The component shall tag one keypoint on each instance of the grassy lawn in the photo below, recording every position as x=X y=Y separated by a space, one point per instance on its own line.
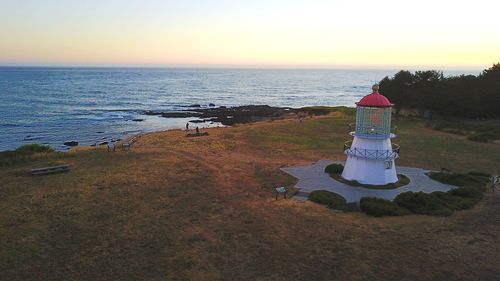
x=424 y=147
x=176 y=208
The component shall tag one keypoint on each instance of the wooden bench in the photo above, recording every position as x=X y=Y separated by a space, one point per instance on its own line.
x=49 y=170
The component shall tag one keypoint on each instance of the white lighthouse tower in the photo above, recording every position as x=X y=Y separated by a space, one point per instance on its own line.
x=370 y=156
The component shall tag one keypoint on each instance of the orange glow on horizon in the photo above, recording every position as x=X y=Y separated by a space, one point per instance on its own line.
x=297 y=33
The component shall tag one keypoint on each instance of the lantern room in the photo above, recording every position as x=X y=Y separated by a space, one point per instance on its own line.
x=373 y=116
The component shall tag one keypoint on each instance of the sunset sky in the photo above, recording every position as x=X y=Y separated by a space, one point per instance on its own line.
x=260 y=33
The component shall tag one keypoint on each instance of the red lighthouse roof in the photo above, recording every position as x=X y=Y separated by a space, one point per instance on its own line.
x=374 y=99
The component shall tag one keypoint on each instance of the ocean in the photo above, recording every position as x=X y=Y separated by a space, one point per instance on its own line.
x=94 y=105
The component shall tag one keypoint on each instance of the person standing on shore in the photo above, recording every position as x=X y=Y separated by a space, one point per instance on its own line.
x=301 y=117
x=187 y=126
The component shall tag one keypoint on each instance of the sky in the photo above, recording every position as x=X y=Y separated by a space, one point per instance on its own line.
x=253 y=33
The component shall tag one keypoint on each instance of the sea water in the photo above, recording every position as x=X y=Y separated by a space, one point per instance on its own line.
x=95 y=105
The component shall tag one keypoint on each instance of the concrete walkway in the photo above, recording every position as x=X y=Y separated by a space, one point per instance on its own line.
x=313 y=178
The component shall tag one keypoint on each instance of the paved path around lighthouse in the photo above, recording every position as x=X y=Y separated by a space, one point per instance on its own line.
x=313 y=177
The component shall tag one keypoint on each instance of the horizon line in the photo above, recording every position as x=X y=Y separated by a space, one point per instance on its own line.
x=247 y=66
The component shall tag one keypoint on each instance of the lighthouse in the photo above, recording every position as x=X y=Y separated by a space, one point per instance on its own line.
x=370 y=156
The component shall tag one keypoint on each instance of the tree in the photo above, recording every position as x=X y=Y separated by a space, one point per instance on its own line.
x=397 y=89
x=430 y=92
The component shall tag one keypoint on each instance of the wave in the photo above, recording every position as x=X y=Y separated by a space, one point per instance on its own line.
x=10 y=125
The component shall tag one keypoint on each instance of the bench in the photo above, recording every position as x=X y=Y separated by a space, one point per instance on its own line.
x=283 y=190
x=49 y=170
x=111 y=147
x=126 y=145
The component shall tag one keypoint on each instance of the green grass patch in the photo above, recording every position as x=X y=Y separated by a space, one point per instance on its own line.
x=470 y=179
x=34 y=148
x=323 y=134
x=324 y=110
x=483 y=136
x=475 y=131
x=330 y=199
x=379 y=207
x=24 y=153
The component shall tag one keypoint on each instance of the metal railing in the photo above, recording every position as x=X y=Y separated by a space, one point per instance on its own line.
x=371 y=153
x=352 y=130
x=372 y=136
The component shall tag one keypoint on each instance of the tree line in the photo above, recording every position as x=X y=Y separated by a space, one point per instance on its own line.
x=434 y=95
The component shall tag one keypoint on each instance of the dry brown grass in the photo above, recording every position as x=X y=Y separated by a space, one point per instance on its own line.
x=177 y=208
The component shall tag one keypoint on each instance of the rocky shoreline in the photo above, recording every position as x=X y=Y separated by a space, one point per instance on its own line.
x=229 y=116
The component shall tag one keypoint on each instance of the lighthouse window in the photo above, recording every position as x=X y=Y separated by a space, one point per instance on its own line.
x=373 y=121
x=388 y=165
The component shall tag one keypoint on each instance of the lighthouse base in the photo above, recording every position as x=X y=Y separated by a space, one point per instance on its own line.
x=365 y=170
x=369 y=172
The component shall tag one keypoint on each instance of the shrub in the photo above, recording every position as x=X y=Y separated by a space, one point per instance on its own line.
x=334 y=168
x=457 y=203
x=34 y=148
x=402 y=180
x=470 y=191
x=423 y=203
x=379 y=207
x=467 y=192
x=330 y=199
x=482 y=137
x=23 y=153
x=460 y=179
x=440 y=203
x=452 y=202
x=479 y=174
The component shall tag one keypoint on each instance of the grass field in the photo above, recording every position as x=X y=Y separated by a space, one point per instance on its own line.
x=177 y=208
